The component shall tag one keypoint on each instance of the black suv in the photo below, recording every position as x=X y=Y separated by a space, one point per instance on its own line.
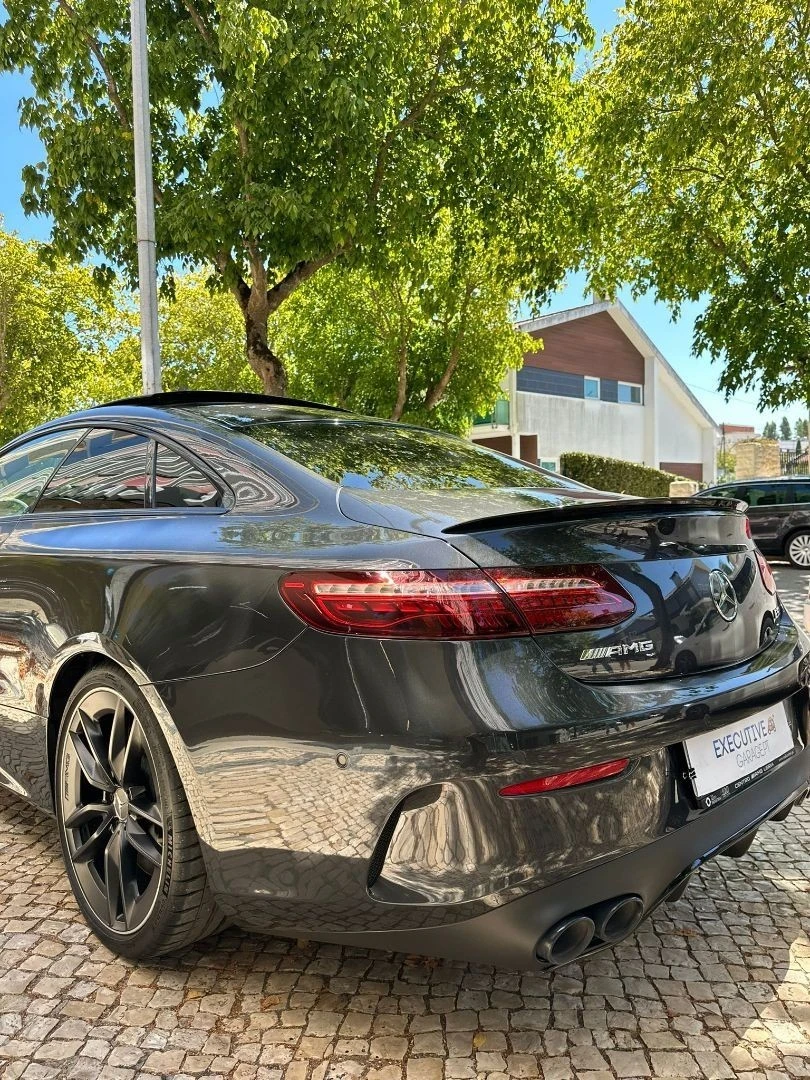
x=779 y=511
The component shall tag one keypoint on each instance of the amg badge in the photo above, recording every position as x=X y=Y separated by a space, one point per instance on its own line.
x=630 y=648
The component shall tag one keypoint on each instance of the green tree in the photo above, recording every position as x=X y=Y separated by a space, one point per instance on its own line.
x=800 y=429
x=785 y=430
x=290 y=134
x=425 y=337
x=202 y=344
x=769 y=430
x=56 y=326
x=698 y=151
x=726 y=464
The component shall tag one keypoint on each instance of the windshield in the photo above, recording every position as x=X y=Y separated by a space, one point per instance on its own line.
x=362 y=455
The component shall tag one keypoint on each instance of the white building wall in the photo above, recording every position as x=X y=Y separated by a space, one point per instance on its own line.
x=679 y=437
x=593 y=427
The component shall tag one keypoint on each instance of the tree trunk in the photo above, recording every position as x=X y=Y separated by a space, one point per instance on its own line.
x=268 y=367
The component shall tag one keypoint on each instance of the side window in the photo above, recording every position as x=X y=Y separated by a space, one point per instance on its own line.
x=179 y=483
x=769 y=495
x=801 y=493
x=105 y=471
x=25 y=471
x=728 y=493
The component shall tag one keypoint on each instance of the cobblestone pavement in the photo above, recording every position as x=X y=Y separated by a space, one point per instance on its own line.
x=715 y=986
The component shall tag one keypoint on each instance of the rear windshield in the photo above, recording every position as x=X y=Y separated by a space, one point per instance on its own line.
x=359 y=455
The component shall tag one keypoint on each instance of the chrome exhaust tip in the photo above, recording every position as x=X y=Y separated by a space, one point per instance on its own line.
x=566 y=940
x=615 y=919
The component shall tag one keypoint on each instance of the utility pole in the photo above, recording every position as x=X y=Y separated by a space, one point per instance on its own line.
x=144 y=201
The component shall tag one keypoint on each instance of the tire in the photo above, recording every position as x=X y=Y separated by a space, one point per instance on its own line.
x=797 y=549
x=128 y=839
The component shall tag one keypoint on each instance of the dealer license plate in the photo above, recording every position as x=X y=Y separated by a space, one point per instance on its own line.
x=729 y=758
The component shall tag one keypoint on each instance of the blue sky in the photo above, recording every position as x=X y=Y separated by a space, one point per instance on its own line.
x=674 y=339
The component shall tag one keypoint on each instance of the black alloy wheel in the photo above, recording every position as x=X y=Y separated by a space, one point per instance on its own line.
x=130 y=847
x=111 y=810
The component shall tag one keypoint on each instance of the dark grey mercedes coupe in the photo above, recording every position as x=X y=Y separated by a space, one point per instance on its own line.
x=327 y=676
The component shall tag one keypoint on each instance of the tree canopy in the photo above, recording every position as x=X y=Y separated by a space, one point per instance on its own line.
x=56 y=326
x=426 y=337
x=698 y=152
x=292 y=134
x=201 y=343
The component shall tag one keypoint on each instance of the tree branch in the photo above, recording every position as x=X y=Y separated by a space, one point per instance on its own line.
x=301 y=272
x=198 y=21
x=414 y=114
x=112 y=85
x=438 y=390
x=402 y=357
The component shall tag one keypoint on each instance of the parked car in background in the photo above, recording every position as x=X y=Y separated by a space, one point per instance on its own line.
x=779 y=512
x=327 y=676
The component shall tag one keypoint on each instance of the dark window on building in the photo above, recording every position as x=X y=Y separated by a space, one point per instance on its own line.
x=180 y=483
x=609 y=390
x=534 y=380
x=106 y=471
x=25 y=471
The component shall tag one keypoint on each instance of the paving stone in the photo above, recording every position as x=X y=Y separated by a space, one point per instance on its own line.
x=715 y=987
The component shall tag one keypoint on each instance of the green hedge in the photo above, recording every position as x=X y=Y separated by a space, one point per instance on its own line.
x=611 y=474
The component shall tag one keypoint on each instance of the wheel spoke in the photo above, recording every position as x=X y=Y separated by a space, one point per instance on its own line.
x=93 y=844
x=112 y=874
x=118 y=740
x=82 y=814
x=143 y=843
x=147 y=811
x=133 y=751
x=87 y=743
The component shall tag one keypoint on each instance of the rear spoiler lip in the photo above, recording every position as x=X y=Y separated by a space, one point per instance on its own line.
x=624 y=507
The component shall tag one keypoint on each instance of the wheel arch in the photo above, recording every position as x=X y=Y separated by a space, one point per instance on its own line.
x=93 y=651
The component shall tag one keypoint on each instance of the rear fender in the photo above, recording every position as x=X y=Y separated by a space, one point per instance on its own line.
x=97 y=645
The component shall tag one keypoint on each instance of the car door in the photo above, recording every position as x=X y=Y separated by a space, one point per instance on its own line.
x=797 y=510
x=766 y=509
x=59 y=558
x=25 y=469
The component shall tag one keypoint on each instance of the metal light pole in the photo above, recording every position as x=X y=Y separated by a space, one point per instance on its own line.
x=144 y=201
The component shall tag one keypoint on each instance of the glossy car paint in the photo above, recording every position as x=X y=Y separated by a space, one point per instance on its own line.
x=347 y=788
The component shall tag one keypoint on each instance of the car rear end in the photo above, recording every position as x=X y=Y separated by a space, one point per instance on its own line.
x=657 y=715
x=545 y=736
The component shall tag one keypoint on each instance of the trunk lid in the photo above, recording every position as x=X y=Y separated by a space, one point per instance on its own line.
x=689 y=566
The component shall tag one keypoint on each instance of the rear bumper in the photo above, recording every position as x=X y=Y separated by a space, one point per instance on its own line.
x=508 y=935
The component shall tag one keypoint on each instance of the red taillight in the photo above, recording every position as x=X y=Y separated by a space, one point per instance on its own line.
x=768 y=579
x=566 y=598
x=748 y=532
x=402 y=603
x=456 y=604
x=572 y=778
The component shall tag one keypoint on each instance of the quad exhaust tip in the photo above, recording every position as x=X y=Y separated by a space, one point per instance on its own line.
x=606 y=923
x=615 y=919
x=566 y=940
